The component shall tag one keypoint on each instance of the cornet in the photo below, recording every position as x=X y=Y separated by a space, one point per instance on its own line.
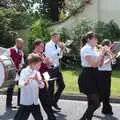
x=65 y=49
x=115 y=50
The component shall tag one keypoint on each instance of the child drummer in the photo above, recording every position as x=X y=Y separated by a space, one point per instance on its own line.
x=30 y=81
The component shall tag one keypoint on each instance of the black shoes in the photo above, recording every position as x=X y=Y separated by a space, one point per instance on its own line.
x=55 y=111
x=8 y=106
x=107 y=110
x=57 y=107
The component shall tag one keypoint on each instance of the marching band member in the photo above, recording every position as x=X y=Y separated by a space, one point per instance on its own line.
x=88 y=79
x=17 y=56
x=44 y=95
x=53 y=49
x=30 y=81
x=105 y=72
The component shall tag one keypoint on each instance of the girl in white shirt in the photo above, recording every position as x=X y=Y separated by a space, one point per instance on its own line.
x=88 y=79
x=105 y=72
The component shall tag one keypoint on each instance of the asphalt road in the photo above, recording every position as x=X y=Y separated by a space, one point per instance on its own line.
x=71 y=110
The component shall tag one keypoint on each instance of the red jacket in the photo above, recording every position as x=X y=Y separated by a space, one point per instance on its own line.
x=16 y=57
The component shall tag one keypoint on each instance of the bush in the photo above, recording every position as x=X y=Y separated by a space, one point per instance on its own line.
x=105 y=31
x=108 y=30
x=10 y=21
x=39 y=30
x=76 y=34
x=71 y=8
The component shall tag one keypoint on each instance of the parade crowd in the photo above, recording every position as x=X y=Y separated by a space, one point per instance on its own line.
x=40 y=77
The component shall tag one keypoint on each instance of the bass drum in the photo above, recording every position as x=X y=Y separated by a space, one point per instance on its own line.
x=7 y=72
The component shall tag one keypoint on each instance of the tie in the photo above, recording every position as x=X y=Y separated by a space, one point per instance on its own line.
x=55 y=46
x=18 y=50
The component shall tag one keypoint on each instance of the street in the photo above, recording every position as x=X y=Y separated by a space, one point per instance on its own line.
x=71 y=110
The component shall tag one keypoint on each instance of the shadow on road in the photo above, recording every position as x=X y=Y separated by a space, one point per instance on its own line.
x=61 y=116
x=9 y=114
x=107 y=117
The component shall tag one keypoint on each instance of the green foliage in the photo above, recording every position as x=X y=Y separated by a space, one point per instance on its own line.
x=71 y=8
x=104 y=30
x=46 y=8
x=73 y=5
x=76 y=34
x=10 y=21
x=80 y=30
x=64 y=34
x=108 y=30
x=39 y=30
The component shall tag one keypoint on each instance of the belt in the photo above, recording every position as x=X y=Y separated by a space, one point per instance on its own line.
x=57 y=67
x=90 y=68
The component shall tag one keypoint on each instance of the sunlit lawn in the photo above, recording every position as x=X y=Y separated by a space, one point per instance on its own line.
x=71 y=81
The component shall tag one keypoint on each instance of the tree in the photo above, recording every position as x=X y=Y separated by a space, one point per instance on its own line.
x=10 y=21
x=46 y=8
x=51 y=8
x=39 y=30
x=108 y=30
x=3 y=3
x=55 y=8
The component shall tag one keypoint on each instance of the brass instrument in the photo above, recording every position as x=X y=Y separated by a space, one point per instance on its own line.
x=65 y=49
x=113 y=51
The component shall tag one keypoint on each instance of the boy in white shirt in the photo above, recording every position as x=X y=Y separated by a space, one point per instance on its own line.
x=30 y=81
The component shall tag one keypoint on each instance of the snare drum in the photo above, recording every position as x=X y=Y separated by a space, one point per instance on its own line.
x=7 y=71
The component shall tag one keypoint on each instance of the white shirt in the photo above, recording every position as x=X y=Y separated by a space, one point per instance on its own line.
x=87 y=50
x=30 y=92
x=107 y=66
x=52 y=52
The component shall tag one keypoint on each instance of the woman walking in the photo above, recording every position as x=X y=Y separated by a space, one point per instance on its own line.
x=105 y=72
x=88 y=81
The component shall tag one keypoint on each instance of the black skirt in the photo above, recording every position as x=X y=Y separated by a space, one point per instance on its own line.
x=104 y=83
x=88 y=80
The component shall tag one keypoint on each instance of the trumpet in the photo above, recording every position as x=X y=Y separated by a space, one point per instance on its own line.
x=114 y=48
x=65 y=47
x=113 y=52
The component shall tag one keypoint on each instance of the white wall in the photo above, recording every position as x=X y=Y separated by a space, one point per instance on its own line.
x=104 y=10
x=110 y=9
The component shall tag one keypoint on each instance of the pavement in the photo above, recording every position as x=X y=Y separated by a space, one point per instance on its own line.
x=71 y=110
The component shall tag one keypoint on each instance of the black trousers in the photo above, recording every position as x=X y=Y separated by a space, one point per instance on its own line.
x=55 y=95
x=105 y=89
x=93 y=104
x=10 y=91
x=24 y=112
x=45 y=100
x=10 y=94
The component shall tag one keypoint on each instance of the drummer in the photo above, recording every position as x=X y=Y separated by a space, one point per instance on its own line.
x=17 y=56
